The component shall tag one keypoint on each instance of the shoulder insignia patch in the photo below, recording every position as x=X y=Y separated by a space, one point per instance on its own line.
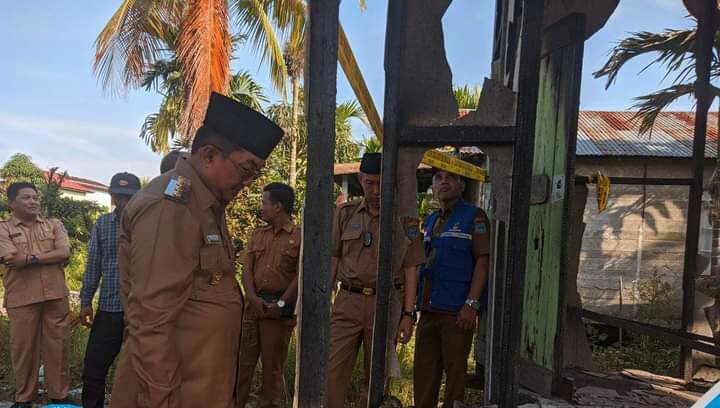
x=413 y=232
x=178 y=189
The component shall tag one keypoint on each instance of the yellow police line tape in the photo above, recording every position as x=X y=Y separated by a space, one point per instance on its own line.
x=603 y=189
x=442 y=161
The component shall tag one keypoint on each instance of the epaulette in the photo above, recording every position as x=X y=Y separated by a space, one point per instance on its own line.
x=178 y=189
x=348 y=204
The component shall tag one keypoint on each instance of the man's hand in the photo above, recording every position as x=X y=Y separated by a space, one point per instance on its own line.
x=405 y=331
x=272 y=311
x=86 y=316
x=257 y=304
x=466 y=318
x=18 y=260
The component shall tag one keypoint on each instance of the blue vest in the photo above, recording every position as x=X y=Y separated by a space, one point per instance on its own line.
x=452 y=270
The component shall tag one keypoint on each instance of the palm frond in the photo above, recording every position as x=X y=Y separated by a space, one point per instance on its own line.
x=252 y=17
x=161 y=128
x=649 y=106
x=203 y=51
x=349 y=110
x=467 y=97
x=355 y=77
x=371 y=145
x=244 y=89
x=136 y=35
x=673 y=48
x=162 y=76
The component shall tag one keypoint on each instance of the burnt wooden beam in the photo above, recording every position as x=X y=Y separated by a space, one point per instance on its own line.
x=707 y=26
x=394 y=34
x=523 y=153
x=320 y=95
x=496 y=282
x=688 y=340
x=570 y=87
x=642 y=181
x=535 y=377
x=453 y=135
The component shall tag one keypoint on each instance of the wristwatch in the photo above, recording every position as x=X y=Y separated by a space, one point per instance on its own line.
x=280 y=303
x=475 y=304
x=411 y=314
x=34 y=260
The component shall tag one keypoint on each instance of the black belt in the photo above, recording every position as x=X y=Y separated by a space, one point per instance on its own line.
x=366 y=291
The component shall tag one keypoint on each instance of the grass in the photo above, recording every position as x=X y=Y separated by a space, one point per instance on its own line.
x=641 y=352
x=401 y=388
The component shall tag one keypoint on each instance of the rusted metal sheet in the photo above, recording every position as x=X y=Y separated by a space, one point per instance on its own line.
x=603 y=133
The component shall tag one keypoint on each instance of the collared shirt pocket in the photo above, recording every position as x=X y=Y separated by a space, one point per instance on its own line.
x=214 y=260
x=20 y=241
x=349 y=236
x=290 y=254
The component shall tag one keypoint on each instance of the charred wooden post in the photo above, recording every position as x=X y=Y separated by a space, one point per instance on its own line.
x=391 y=131
x=520 y=199
x=320 y=93
x=707 y=14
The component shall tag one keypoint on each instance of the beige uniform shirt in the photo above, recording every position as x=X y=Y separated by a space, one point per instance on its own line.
x=183 y=305
x=273 y=258
x=355 y=242
x=33 y=283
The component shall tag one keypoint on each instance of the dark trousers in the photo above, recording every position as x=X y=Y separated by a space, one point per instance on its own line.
x=440 y=345
x=103 y=346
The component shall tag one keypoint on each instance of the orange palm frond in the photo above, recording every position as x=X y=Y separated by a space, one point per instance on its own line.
x=203 y=50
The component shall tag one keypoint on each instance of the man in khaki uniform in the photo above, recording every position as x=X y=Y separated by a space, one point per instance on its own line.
x=270 y=278
x=34 y=250
x=183 y=306
x=457 y=245
x=355 y=258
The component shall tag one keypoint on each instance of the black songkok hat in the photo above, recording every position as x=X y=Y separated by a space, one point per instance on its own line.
x=371 y=163
x=242 y=126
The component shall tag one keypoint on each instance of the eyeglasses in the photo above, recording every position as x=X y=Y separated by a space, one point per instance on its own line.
x=244 y=172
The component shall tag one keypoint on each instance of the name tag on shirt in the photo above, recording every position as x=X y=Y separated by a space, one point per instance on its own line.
x=213 y=239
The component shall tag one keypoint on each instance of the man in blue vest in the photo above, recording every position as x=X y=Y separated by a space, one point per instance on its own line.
x=457 y=244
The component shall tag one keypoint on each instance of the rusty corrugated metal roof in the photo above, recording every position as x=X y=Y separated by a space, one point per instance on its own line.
x=602 y=133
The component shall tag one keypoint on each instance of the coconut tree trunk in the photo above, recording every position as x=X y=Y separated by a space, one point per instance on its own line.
x=295 y=133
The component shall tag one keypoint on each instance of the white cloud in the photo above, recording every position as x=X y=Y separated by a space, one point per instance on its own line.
x=88 y=149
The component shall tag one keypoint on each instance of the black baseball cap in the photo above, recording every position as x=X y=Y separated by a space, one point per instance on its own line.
x=124 y=183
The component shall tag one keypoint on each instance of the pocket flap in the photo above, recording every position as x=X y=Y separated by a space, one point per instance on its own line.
x=351 y=233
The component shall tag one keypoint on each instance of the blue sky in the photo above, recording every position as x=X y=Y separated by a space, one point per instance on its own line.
x=52 y=108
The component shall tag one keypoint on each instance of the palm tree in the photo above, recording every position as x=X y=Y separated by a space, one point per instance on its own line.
x=694 y=56
x=142 y=32
x=267 y=24
x=371 y=145
x=467 y=97
x=160 y=130
x=674 y=49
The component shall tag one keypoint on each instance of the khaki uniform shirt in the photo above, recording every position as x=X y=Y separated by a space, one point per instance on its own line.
x=33 y=283
x=355 y=242
x=183 y=305
x=272 y=257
